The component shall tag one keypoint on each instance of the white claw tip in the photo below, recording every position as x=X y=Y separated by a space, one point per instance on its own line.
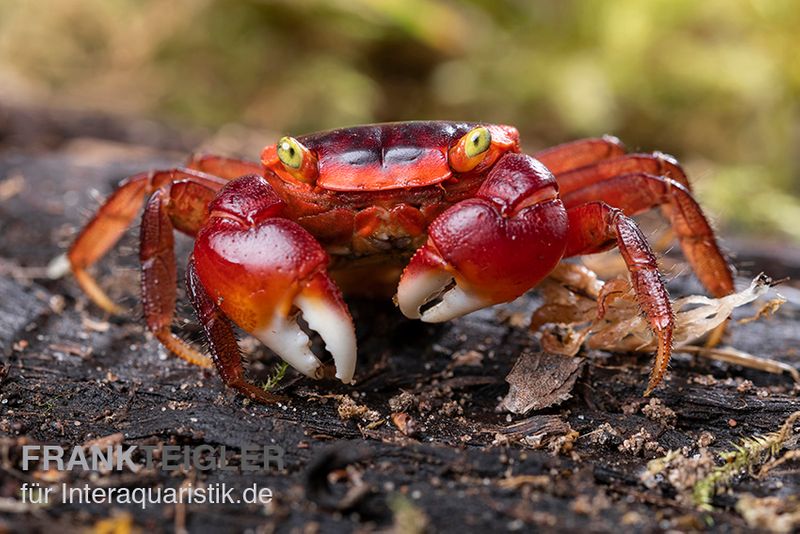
x=422 y=288
x=455 y=302
x=417 y=289
x=285 y=337
x=58 y=267
x=336 y=329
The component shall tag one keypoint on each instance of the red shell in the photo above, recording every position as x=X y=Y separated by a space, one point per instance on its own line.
x=387 y=156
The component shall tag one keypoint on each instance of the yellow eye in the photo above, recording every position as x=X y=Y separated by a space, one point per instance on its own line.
x=471 y=150
x=477 y=141
x=290 y=152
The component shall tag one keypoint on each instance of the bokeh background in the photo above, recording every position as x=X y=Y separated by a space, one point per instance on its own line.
x=715 y=83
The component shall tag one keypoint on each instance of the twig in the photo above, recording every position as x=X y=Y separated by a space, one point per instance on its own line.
x=738 y=357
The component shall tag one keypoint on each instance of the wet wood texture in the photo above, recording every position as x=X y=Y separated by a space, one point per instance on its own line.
x=71 y=375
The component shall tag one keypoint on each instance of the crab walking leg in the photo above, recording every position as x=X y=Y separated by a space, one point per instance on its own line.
x=113 y=219
x=596 y=227
x=657 y=163
x=262 y=270
x=222 y=340
x=488 y=249
x=183 y=206
x=569 y=156
x=638 y=192
x=226 y=168
x=585 y=162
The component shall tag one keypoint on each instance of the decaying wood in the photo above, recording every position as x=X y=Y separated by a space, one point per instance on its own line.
x=67 y=380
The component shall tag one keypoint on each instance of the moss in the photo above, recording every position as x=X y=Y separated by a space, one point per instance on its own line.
x=276 y=377
x=744 y=458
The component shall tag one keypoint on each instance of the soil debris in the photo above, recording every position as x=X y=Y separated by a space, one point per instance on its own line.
x=773 y=514
x=605 y=435
x=542 y=432
x=706 y=439
x=404 y=423
x=657 y=411
x=467 y=357
x=350 y=409
x=699 y=478
x=641 y=444
x=402 y=402
x=679 y=471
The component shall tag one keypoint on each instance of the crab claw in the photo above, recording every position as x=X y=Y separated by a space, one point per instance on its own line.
x=321 y=306
x=429 y=281
x=264 y=272
x=490 y=248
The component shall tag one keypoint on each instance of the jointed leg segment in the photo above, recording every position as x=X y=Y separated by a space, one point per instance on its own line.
x=182 y=205
x=636 y=183
x=577 y=154
x=225 y=168
x=657 y=164
x=113 y=219
x=222 y=340
x=638 y=192
x=596 y=227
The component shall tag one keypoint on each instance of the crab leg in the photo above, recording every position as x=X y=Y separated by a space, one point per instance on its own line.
x=263 y=270
x=226 y=168
x=113 y=218
x=183 y=206
x=596 y=227
x=638 y=192
x=569 y=156
x=657 y=163
x=488 y=249
x=222 y=340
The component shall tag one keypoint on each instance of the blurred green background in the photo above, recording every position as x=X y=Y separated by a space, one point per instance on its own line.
x=714 y=82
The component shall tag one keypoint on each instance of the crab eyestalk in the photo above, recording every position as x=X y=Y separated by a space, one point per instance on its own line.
x=470 y=149
x=481 y=147
x=264 y=272
x=289 y=158
x=488 y=249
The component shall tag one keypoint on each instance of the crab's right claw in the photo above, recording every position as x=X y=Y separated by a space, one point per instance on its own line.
x=320 y=304
x=488 y=249
x=264 y=272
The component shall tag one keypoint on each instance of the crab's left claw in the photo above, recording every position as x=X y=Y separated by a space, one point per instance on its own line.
x=430 y=289
x=490 y=248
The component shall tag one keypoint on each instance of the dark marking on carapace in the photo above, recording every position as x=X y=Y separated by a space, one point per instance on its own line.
x=385 y=156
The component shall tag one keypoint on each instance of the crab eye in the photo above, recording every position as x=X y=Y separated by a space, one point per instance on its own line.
x=290 y=152
x=297 y=161
x=477 y=141
x=471 y=149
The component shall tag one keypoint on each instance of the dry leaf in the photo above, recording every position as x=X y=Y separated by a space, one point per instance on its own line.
x=539 y=380
x=572 y=317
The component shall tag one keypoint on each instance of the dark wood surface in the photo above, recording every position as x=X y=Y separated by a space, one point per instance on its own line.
x=71 y=375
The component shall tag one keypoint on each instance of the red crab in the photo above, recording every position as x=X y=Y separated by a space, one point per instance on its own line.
x=452 y=210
